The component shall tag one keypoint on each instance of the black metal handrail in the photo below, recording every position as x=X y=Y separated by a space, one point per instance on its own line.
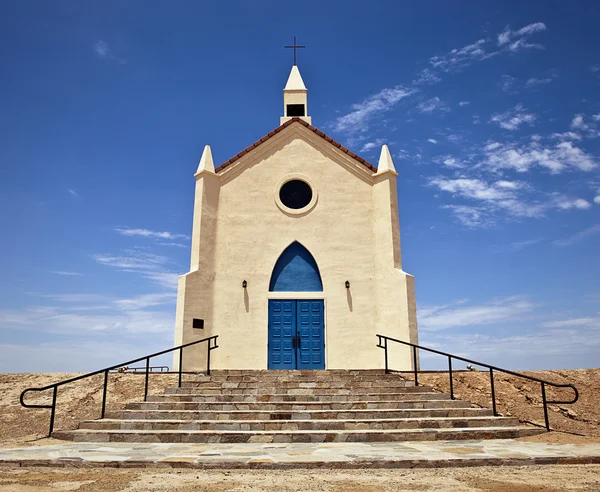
x=210 y=347
x=543 y=382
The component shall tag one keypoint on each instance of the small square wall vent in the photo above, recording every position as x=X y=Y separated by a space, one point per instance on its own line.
x=198 y=323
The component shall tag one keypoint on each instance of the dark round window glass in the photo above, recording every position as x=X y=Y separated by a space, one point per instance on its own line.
x=295 y=194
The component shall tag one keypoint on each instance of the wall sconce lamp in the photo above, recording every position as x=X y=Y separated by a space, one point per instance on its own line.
x=244 y=284
x=347 y=284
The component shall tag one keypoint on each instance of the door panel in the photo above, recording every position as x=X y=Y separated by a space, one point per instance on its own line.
x=282 y=329
x=296 y=334
x=311 y=334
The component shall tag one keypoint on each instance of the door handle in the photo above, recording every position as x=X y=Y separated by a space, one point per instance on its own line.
x=298 y=341
x=294 y=341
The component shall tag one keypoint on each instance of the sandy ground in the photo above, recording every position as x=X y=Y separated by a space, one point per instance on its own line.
x=488 y=479
x=521 y=398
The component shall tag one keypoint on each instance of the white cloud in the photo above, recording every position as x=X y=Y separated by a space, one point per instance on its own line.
x=597 y=199
x=146 y=300
x=517 y=40
x=533 y=82
x=177 y=245
x=570 y=322
x=519 y=245
x=433 y=104
x=432 y=140
x=107 y=318
x=358 y=119
x=79 y=355
x=150 y=234
x=150 y=266
x=506 y=83
x=473 y=188
x=461 y=57
x=103 y=52
x=453 y=163
x=470 y=216
x=580 y=236
x=501 y=196
x=62 y=272
x=578 y=124
x=513 y=118
x=567 y=136
x=588 y=128
x=461 y=316
x=427 y=76
x=132 y=260
x=522 y=347
x=72 y=192
x=521 y=158
x=464 y=103
x=372 y=145
x=578 y=203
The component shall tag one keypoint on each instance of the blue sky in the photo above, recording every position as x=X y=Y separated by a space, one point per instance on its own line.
x=491 y=111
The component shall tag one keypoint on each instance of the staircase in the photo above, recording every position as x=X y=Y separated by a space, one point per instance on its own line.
x=297 y=406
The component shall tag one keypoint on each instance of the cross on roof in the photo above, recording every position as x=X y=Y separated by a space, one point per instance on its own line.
x=295 y=47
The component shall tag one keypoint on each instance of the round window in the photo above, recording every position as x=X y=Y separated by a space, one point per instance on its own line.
x=295 y=194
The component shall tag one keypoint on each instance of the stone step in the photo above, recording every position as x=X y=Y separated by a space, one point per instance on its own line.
x=211 y=436
x=287 y=385
x=310 y=373
x=309 y=376
x=299 y=391
x=267 y=398
x=295 y=425
x=415 y=413
x=297 y=405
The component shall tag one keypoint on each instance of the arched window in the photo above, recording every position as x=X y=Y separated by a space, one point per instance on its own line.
x=296 y=271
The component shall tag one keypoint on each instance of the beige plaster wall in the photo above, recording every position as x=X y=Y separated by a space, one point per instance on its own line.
x=350 y=232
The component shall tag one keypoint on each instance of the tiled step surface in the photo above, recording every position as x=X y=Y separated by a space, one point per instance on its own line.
x=297 y=398
x=214 y=436
x=297 y=415
x=297 y=406
x=287 y=425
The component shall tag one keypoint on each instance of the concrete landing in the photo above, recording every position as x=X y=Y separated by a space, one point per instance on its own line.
x=302 y=455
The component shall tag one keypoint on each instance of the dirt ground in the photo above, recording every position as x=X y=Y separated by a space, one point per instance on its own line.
x=81 y=400
x=482 y=479
x=522 y=398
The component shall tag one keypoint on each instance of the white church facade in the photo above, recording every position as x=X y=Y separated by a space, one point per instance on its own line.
x=296 y=260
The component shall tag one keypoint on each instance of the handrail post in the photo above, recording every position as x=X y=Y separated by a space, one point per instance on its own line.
x=104 y=393
x=53 y=411
x=415 y=365
x=451 y=383
x=146 y=382
x=208 y=358
x=180 y=362
x=545 y=407
x=493 y=392
x=387 y=370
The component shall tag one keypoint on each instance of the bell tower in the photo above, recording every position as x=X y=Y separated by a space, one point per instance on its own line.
x=295 y=98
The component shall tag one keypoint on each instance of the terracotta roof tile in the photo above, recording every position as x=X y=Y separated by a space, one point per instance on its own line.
x=285 y=125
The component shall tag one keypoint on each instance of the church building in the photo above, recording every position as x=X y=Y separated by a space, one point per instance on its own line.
x=295 y=260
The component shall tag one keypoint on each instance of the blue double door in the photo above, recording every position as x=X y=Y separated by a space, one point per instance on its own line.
x=296 y=334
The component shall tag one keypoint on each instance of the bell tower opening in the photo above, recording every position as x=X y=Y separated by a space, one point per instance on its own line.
x=295 y=110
